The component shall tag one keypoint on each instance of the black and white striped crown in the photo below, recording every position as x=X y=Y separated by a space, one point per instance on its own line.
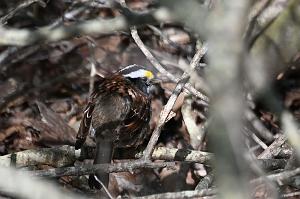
x=136 y=71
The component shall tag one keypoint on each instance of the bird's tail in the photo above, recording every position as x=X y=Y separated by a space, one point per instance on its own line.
x=104 y=153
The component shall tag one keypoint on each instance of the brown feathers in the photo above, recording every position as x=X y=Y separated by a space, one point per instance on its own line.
x=136 y=107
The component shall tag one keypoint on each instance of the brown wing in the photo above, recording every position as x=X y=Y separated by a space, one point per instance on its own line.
x=86 y=121
x=136 y=120
x=113 y=84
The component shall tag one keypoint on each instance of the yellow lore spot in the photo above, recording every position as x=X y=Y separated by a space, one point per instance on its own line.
x=149 y=74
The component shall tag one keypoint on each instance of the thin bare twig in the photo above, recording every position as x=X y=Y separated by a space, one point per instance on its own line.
x=274 y=148
x=67 y=155
x=182 y=194
x=108 y=168
x=56 y=157
x=259 y=141
x=279 y=177
x=163 y=71
x=24 y=4
x=262 y=18
x=106 y=190
x=166 y=38
x=93 y=62
x=168 y=107
x=13 y=55
x=163 y=117
x=293 y=194
x=205 y=182
x=164 y=153
x=24 y=37
x=259 y=127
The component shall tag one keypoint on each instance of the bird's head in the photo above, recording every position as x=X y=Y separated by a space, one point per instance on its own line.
x=139 y=76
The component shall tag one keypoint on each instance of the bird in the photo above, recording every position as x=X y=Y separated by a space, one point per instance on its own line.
x=118 y=112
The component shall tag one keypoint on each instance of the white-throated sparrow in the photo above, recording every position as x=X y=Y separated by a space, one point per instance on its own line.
x=118 y=112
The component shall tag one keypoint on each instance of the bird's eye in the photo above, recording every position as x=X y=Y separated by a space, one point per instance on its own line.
x=146 y=81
